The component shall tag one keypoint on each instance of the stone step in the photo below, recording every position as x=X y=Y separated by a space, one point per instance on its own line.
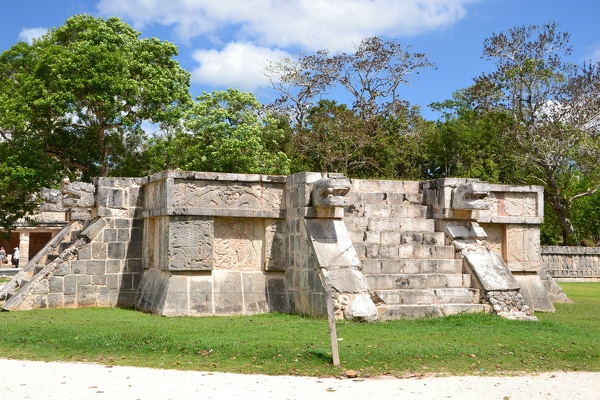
x=407 y=237
x=366 y=185
x=393 y=312
x=386 y=211
x=388 y=224
x=395 y=252
x=417 y=281
x=385 y=198
x=411 y=266
x=429 y=296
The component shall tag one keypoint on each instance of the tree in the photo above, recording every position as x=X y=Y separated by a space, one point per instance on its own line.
x=74 y=101
x=224 y=131
x=370 y=137
x=554 y=108
x=371 y=76
x=334 y=139
x=468 y=141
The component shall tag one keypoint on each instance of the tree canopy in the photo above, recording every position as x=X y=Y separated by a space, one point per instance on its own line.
x=72 y=103
x=554 y=107
x=223 y=131
x=371 y=76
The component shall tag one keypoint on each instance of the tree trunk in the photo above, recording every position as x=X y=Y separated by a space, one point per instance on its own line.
x=562 y=212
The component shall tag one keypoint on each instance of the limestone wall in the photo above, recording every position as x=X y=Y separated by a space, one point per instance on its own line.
x=100 y=264
x=302 y=277
x=572 y=264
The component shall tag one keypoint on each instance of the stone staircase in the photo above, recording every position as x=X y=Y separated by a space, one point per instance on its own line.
x=409 y=269
x=52 y=251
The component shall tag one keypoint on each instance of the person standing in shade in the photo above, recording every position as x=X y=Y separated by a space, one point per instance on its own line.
x=15 y=257
x=2 y=256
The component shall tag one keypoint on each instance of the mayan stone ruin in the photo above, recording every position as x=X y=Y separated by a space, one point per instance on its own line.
x=183 y=243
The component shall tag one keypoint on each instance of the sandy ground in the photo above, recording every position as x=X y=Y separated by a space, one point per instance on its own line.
x=40 y=380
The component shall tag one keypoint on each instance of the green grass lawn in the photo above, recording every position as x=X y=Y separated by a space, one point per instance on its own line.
x=283 y=344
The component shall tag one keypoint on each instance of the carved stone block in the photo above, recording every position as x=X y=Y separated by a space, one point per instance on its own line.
x=190 y=244
x=238 y=244
x=471 y=196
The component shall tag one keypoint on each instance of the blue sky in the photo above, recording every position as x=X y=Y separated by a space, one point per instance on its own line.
x=227 y=43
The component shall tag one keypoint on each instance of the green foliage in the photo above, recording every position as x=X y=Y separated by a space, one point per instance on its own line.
x=470 y=143
x=334 y=139
x=22 y=172
x=585 y=216
x=224 y=131
x=377 y=136
x=75 y=100
x=481 y=344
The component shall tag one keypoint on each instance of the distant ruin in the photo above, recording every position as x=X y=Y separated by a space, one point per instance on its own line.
x=183 y=243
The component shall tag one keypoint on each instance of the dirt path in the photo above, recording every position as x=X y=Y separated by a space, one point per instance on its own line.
x=39 y=380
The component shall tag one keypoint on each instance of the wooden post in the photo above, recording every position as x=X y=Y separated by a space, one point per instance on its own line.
x=332 y=330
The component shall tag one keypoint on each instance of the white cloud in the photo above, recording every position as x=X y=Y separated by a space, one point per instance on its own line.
x=238 y=65
x=309 y=24
x=244 y=34
x=28 y=34
x=594 y=54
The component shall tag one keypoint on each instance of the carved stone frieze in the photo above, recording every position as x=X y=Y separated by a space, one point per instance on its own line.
x=238 y=244
x=224 y=195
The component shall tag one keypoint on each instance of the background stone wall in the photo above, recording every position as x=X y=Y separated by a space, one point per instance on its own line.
x=570 y=263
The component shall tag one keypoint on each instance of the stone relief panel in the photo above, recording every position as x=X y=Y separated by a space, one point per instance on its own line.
x=523 y=248
x=519 y=204
x=211 y=194
x=190 y=243
x=495 y=237
x=238 y=243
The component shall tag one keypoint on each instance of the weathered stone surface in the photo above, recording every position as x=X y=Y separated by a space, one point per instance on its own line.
x=176 y=296
x=277 y=295
x=347 y=281
x=331 y=191
x=225 y=195
x=254 y=288
x=190 y=245
x=275 y=245
x=77 y=194
x=471 y=196
x=572 y=263
x=331 y=242
x=534 y=292
x=153 y=288
x=238 y=244
x=228 y=293
x=201 y=295
x=361 y=308
x=491 y=271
